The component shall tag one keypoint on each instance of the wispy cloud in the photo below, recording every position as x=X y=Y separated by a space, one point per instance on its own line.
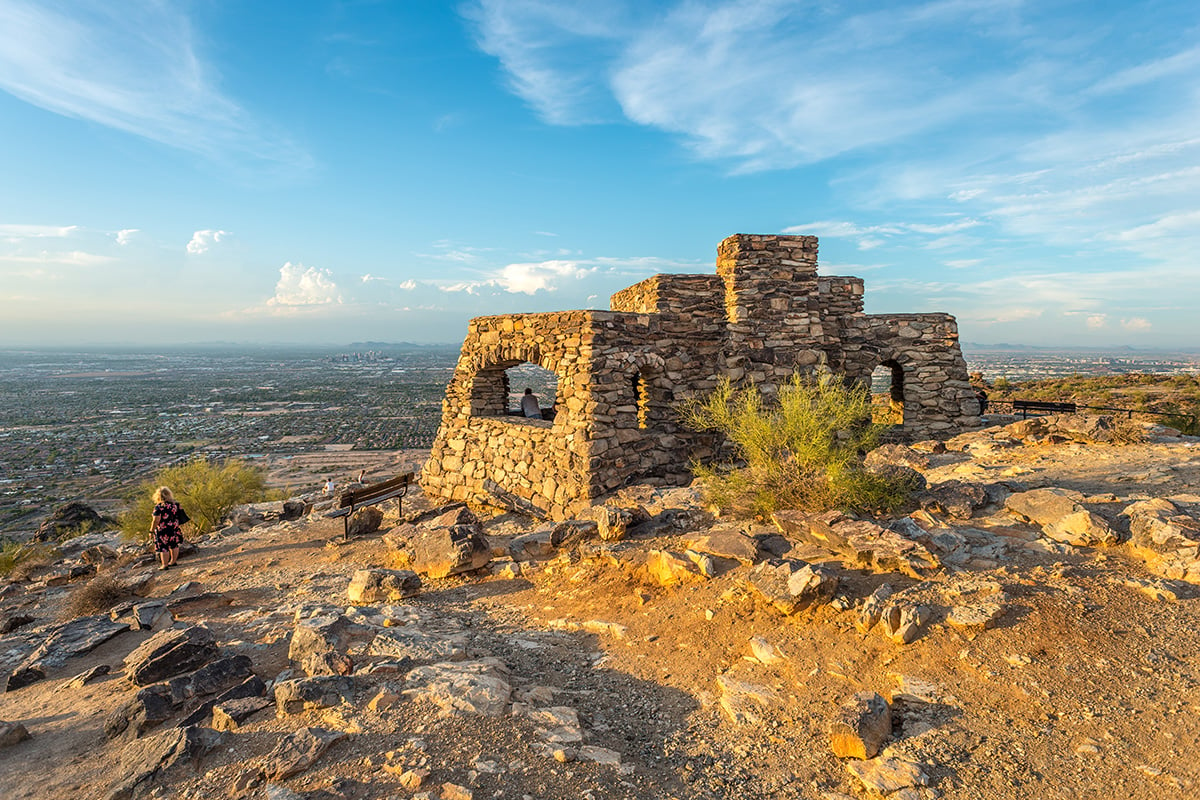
x=18 y=233
x=133 y=66
x=202 y=241
x=124 y=237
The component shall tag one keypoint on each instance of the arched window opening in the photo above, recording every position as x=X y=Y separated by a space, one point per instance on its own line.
x=641 y=395
x=887 y=394
x=532 y=391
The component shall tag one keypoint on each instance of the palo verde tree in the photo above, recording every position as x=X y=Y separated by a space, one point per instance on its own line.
x=801 y=449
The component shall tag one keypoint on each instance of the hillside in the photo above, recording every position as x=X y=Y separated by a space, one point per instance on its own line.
x=1176 y=395
x=1033 y=645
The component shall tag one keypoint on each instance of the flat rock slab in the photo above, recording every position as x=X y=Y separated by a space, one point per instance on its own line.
x=726 y=544
x=860 y=542
x=75 y=638
x=299 y=751
x=412 y=642
x=887 y=775
x=745 y=702
x=1060 y=517
x=466 y=687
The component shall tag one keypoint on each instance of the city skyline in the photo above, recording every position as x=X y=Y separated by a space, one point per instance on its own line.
x=354 y=171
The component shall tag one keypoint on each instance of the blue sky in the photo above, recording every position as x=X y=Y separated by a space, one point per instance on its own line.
x=340 y=171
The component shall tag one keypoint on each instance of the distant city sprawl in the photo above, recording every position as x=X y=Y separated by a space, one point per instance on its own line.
x=89 y=423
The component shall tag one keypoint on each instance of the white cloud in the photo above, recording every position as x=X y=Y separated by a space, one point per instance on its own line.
x=1136 y=324
x=963 y=263
x=72 y=258
x=1097 y=321
x=304 y=286
x=133 y=66
x=407 y=285
x=19 y=233
x=544 y=276
x=202 y=241
x=124 y=236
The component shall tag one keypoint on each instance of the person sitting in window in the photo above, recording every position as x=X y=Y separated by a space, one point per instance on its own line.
x=529 y=405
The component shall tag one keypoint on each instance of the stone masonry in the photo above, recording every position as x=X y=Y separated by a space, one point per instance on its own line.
x=762 y=317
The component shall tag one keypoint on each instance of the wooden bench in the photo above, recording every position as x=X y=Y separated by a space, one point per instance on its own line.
x=1024 y=407
x=349 y=502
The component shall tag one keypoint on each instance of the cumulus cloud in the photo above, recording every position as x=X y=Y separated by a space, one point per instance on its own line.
x=1136 y=324
x=1097 y=321
x=202 y=241
x=124 y=236
x=300 y=286
x=407 y=285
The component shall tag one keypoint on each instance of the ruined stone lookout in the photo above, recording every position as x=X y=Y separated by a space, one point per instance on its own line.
x=763 y=316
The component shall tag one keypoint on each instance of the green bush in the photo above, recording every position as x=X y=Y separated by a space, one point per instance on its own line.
x=803 y=449
x=206 y=490
x=17 y=558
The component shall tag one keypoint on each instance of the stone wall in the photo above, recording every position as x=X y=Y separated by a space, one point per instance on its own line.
x=622 y=373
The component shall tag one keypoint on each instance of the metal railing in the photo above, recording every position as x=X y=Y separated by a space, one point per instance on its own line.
x=1016 y=405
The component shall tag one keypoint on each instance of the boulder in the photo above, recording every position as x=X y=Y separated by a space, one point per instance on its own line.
x=863 y=723
x=364 y=521
x=87 y=676
x=229 y=715
x=532 y=546
x=611 y=522
x=170 y=652
x=98 y=554
x=441 y=552
x=12 y=733
x=9 y=622
x=319 y=644
x=305 y=694
x=147 y=762
x=295 y=508
x=1060 y=517
x=668 y=568
x=148 y=708
x=955 y=499
x=68 y=519
x=902 y=622
x=899 y=455
x=871 y=610
x=370 y=586
x=298 y=752
x=22 y=677
x=251 y=687
x=791 y=585
x=1167 y=539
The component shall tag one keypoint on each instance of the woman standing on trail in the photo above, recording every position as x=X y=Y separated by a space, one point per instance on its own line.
x=169 y=516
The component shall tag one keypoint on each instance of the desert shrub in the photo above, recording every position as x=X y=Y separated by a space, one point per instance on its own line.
x=18 y=559
x=802 y=449
x=1186 y=423
x=206 y=490
x=82 y=529
x=96 y=596
x=1127 y=431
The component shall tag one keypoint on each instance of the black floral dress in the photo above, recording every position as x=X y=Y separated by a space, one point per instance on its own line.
x=167 y=531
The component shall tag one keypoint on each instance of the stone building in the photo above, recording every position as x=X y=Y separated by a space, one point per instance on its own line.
x=764 y=315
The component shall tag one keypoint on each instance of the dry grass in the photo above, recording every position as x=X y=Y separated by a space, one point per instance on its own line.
x=95 y=597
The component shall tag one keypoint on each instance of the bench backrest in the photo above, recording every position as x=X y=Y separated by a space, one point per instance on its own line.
x=1043 y=405
x=374 y=491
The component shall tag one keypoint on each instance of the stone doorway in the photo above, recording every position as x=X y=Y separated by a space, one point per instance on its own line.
x=887 y=394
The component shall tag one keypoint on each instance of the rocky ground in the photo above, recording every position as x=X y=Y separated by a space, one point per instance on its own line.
x=1001 y=640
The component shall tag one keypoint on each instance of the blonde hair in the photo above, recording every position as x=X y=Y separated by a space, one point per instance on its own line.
x=163 y=495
